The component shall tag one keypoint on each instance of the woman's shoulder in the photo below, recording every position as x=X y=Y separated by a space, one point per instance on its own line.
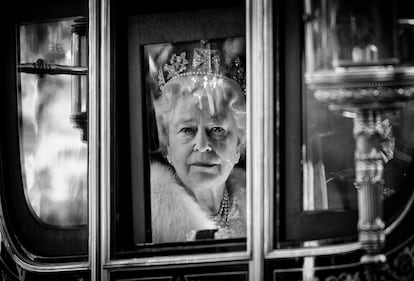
x=174 y=212
x=165 y=190
x=161 y=174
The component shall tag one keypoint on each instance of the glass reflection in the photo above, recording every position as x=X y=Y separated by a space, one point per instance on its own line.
x=349 y=33
x=329 y=159
x=54 y=159
x=344 y=39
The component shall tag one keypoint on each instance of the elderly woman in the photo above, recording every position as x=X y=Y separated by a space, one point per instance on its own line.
x=200 y=116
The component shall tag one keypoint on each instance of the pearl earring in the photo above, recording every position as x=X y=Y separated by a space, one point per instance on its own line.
x=237 y=158
x=169 y=159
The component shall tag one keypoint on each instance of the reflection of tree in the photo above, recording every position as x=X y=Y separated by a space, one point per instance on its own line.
x=55 y=159
x=50 y=41
x=59 y=159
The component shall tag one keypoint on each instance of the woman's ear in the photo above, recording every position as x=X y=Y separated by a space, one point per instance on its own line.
x=239 y=143
x=241 y=147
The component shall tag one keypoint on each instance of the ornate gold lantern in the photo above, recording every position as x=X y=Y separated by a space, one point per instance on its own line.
x=355 y=64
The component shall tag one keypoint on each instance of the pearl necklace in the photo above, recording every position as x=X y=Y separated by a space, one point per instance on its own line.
x=222 y=216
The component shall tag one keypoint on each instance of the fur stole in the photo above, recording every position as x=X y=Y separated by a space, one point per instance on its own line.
x=176 y=214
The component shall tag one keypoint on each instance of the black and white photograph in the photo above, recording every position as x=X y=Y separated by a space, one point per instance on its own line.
x=237 y=140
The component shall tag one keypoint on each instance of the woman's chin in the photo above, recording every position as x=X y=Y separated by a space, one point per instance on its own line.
x=205 y=176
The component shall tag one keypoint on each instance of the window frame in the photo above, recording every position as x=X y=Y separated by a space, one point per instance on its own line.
x=293 y=227
x=34 y=245
x=110 y=260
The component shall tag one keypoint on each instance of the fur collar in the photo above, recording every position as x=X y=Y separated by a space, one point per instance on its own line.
x=175 y=214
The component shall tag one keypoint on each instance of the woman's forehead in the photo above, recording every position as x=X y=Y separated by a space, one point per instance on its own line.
x=191 y=117
x=188 y=109
x=203 y=104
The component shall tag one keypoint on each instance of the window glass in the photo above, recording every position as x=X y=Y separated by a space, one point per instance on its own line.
x=53 y=149
x=179 y=77
x=197 y=178
x=340 y=63
x=328 y=170
x=342 y=40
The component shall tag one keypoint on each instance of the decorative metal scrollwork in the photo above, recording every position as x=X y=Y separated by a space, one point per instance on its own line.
x=398 y=268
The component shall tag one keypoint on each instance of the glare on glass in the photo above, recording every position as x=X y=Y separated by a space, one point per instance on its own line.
x=53 y=155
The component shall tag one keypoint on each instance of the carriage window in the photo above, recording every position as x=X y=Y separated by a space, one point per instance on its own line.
x=53 y=91
x=180 y=139
x=353 y=40
x=197 y=91
x=351 y=85
x=357 y=43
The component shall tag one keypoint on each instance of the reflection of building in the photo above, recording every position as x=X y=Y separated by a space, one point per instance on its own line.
x=292 y=138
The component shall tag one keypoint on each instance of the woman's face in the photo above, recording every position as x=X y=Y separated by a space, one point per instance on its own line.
x=202 y=145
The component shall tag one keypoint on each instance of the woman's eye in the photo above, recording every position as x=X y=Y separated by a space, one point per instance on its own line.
x=217 y=132
x=187 y=130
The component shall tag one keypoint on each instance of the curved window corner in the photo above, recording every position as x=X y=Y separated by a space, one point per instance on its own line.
x=44 y=188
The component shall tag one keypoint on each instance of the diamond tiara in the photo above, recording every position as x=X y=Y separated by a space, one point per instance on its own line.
x=204 y=62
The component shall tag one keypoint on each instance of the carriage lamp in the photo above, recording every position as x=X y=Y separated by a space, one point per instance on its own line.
x=355 y=65
x=79 y=97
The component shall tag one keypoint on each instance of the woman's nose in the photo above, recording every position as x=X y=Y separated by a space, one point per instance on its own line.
x=201 y=142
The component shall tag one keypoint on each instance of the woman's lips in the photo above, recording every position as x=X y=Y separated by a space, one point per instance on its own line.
x=204 y=164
